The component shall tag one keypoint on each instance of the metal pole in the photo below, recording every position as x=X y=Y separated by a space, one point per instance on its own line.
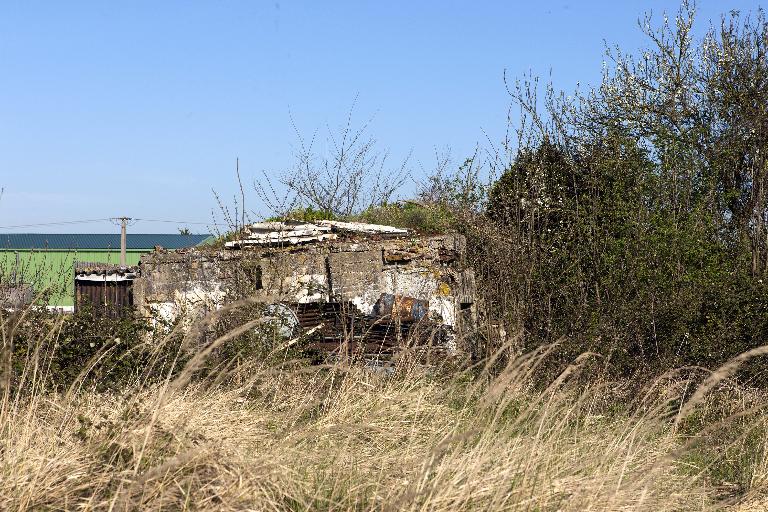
x=16 y=271
x=123 y=224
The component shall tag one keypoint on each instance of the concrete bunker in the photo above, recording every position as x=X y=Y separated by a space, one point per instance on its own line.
x=371 y=286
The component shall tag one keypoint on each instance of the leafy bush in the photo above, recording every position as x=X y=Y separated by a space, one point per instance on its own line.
x=100 y=351
x=421 y=218
x=632 y=221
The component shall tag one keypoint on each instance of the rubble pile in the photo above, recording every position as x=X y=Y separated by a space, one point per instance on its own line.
x=266 y=234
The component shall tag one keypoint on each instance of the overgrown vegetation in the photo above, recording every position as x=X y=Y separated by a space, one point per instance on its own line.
x=620 y=250
x=276 y=434
x=353 y=174
x=629 y=220
x=105 y=353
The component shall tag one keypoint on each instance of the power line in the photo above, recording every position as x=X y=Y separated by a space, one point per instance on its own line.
x=59 y=223
x=111 y=219
x=182 y=222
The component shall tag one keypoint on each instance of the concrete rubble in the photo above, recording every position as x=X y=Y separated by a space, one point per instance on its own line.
x=295 y=233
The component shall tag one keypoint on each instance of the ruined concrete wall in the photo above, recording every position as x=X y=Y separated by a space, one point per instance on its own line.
x=425 y=268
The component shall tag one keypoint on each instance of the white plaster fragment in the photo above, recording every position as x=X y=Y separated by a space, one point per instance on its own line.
x=417 y=283
x=364 y=302
x=285 y=227
x=362 y=227
x=109 y=278
x=306 y=287
x=442 y=309
x=276 y=238
x=294 y=233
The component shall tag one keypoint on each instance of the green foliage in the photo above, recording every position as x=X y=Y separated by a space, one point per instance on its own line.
x=110 y=353
x=102 y=351
x=84 y=337
x=461 y=190
x=536 y=191
x=305 y=214
x=421 y=218
x=606 y=264
x=633 y=221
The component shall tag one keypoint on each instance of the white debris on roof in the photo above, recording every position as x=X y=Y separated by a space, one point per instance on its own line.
x=362 y=227
x=279 y=233
x=277 y=239
x=98 y=271
x=286 y=226
x=106 y=277
x=296 y=233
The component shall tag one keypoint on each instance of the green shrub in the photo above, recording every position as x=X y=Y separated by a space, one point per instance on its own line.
x=421 y=218
x=305 y=214
x=632 y=222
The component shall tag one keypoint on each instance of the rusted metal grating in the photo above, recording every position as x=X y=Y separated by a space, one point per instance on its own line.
x=342 y=326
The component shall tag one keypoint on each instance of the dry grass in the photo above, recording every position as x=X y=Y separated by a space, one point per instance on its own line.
x=342 y=437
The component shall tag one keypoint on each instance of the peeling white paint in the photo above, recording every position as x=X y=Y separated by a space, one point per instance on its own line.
x=366 y=301
x=307 y=287
x=189 y=303
x=201 y=294
x=163 y=315
x=442 y=309
x=418 y=283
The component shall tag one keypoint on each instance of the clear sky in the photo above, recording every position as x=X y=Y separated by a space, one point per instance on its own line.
x=140 y=108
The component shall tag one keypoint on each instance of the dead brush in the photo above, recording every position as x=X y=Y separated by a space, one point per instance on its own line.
x=286 y=436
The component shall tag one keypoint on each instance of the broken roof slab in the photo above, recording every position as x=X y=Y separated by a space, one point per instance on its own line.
x=297 y=233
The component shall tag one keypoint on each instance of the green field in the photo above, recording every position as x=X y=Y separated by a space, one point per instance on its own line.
x=54 y=270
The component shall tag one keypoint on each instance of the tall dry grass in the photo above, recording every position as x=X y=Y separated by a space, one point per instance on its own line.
x=342 y=437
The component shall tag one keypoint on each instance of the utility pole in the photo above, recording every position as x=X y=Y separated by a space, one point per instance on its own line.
x=16 y=271
x=123 y=224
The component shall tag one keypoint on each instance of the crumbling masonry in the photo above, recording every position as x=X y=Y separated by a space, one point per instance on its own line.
x=387 y=281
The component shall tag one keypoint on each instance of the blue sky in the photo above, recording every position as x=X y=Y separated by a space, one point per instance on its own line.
x=140 y=108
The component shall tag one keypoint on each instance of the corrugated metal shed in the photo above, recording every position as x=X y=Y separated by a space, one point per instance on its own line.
x=66 y=241
x=107 y=289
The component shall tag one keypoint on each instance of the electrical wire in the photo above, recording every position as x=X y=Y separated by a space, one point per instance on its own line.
x=182 y=222
x=59 y=223
x=111 y=219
